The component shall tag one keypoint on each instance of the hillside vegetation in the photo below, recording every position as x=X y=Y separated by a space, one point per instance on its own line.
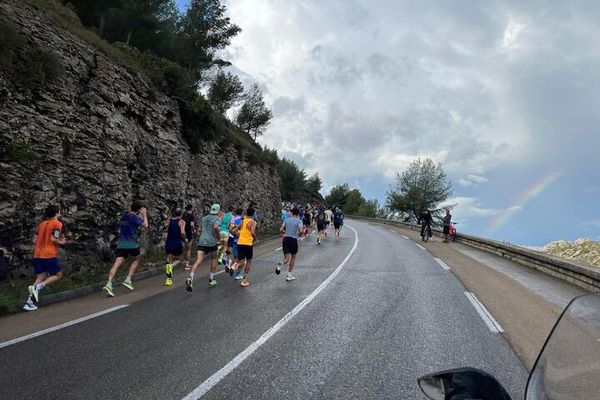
x=584 y=250
x=178 y=54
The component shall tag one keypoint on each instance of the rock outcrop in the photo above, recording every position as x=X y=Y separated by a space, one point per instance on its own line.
x=94 y=141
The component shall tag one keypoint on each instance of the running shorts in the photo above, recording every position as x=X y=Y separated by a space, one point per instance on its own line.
x=230 y=241
x=337 y=225
x=125 y=253
x=245 y=252
x=174 y=250
x=290 y=245
x=207 y=249
x=321 y=226
x=189 y=236
x=235 y=250
x=51 y=266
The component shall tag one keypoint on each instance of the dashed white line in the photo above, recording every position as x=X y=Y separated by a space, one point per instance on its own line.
x=405 y=237
x=279 y=248
x=485 y=315
x=442 y=264
x=231 y=365
x=419 y=246
x=61 y=326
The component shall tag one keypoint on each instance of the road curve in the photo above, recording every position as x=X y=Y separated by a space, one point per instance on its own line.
x=390 y=315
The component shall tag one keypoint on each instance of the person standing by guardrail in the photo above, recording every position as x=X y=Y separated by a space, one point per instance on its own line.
x=446 y=221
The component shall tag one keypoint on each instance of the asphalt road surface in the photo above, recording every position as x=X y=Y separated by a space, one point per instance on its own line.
x=390 y=314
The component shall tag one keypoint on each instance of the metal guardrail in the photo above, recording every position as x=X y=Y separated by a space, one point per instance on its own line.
x=582 y=275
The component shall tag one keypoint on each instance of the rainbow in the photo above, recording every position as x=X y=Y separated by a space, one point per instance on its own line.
x=535 y=190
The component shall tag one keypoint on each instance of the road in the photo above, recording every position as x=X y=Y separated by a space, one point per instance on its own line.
x=391 y=314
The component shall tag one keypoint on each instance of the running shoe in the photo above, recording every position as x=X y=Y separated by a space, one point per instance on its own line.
x=213 y=282
x=30 y=306
x=188 y=284
x=231 y=271
x=290 y=278
x=245 y=283
x=108 y=289
x=278 y=267
x=238 y=276
x=226 y=268
x=128 y=284
x=34 y=293
x=169 y=282
x=169 y=270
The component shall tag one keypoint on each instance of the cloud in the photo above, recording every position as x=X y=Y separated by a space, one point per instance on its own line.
x=469 y=207
x=494 y=90
x=472 y=180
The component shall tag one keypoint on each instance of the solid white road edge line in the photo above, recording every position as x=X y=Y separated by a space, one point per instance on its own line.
x=442 y=264
x=405 y=237
x=234 y=363
x=491 y=323
x=419 y=246
x=61 y=326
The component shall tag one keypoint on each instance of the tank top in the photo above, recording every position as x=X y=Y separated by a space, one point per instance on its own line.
x=174 y=233
x=246 y=238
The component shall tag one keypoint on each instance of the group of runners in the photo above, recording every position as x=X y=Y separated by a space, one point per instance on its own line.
x=226 y=237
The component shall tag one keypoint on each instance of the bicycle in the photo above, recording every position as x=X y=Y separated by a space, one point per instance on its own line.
x=453 y=231
x=425 y=233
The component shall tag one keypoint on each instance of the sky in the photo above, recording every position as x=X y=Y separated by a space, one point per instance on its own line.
x=504 y=94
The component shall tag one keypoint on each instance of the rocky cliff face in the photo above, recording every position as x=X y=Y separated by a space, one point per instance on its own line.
x=94 y=141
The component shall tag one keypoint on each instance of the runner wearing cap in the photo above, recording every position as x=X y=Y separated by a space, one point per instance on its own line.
x=207 y=244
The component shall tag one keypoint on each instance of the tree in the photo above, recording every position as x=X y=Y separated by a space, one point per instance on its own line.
x=254 y=116
x=353 y=202
x=225 y=90
x=203 y=30
x=423 y=185
x=370 y=208
x=313 y=187
x=338 y=196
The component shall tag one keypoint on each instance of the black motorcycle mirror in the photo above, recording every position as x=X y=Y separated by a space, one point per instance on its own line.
x=568 y=367
x=462 y=384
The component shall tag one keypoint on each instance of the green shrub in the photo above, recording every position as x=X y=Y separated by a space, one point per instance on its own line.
x=40 y=68
x=10 y=42
x=18 y=151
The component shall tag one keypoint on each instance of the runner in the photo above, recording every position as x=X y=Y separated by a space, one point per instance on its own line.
x=328 y=218
x=234 y=231
x=176 y=239
x=247 y=238
x=321 y=225
x=46 y=265
x=190 y=232
x=291 y=228
x=223 y=251
x=207 y=245
x=128 y=245
x=338 y=221
x=306 y=221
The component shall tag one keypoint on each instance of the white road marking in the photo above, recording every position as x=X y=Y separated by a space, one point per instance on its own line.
x=393 y=231
x=442 y=264
x=491 y=323
x=220 y=272
x=279 y=248
x=231 y=365
x=405 y=237
x=419 y=246
x=61 y=326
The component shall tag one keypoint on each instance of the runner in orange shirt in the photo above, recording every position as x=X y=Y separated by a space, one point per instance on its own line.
x=47 y=266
